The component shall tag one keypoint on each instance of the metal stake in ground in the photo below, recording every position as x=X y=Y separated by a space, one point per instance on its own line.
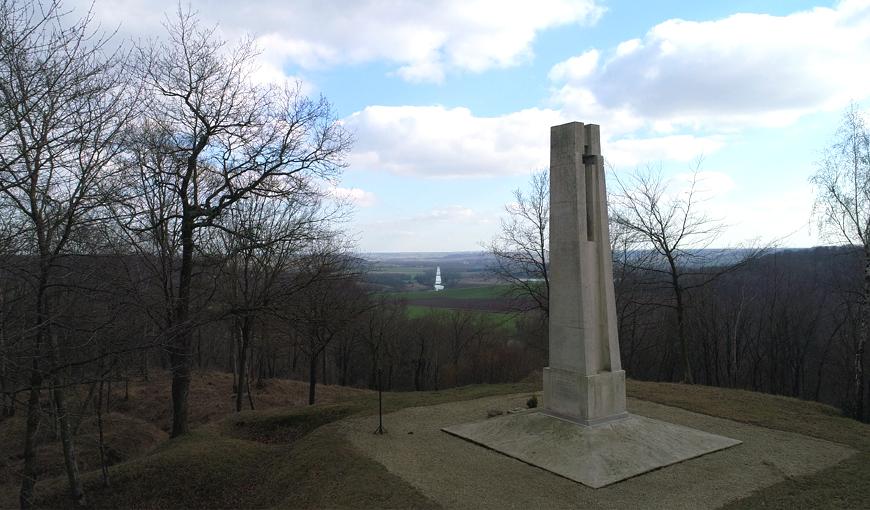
x=380 y=429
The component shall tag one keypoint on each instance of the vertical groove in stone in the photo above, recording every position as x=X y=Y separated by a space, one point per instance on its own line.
x=584 y=379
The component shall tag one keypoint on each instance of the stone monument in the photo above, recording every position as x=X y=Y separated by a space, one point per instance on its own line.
x=584 y=432
x=585 y=381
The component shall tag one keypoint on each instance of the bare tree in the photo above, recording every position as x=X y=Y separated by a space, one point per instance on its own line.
x=463 y=329
x=262 y=240
x=520 y=249
x=842 y=208
x=209 y=137
x=63 y=108
x=669 y=224
x=328 y=305
x=10 y=292
x=379 y=329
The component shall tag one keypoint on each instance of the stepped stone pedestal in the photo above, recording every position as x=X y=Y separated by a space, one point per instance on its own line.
x=583 y=431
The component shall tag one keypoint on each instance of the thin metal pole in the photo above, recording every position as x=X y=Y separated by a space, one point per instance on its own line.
x=380 y=429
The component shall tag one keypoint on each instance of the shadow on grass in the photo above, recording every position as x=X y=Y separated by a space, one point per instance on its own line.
x=282 y=458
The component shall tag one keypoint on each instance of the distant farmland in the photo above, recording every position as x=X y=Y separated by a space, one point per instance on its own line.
x=484 y=299
x=497 y=292
x=470 y=286
x=492 y=301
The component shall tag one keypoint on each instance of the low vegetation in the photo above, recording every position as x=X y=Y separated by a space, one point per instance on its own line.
x=289 y=457
x=277 y=457
x=841 y=486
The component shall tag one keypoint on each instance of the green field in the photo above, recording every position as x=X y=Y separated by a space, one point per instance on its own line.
x=489 y=292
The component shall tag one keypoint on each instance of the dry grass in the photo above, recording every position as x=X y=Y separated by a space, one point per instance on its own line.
x=282 y=455
x=773 y=412
x=136 y=425
x=846 y=485
x=279 y=458
x=125 y=438
x=212 y=397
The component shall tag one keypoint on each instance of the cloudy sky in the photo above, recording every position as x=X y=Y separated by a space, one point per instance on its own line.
x=451 y=101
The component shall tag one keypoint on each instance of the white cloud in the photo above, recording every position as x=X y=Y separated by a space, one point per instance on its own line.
x=575 y=68
x=448 y=228
x=449 y=213
x=707 y=182
x=780 y=215
x=745 y=69
x=435 y=141
x=355 y=196
x=424 y=40
x=635 y=151
x=422 y=72
x=627 y=47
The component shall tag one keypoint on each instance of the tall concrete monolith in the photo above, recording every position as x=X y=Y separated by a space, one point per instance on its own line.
x=583 y=431
x=584 y=381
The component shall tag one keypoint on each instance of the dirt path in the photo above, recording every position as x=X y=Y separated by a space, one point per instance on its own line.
x=458 y=474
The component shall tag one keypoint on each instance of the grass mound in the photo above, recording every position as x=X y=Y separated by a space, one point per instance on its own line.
x=124 y=438
x=281 y=427
x=200 y=470
x=212 y=397
x=842 y=486
x=284 y=457
x=294 y=457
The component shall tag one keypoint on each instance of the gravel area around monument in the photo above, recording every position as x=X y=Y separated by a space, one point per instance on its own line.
x=459 y=474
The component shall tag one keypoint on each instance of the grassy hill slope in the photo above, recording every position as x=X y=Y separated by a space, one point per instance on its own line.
x=284 y=457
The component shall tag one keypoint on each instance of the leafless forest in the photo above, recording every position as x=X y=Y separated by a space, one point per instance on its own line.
x=161 y=210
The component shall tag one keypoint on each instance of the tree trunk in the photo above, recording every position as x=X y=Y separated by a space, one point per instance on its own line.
x=104 y=469
x=199 y=349
x=421 y=361
x=180 y=358
x=63 y=418
x=345 y=367
x=312 y=378
x=681 y=332
x=145 y=373
x=250 y=380
x=28 y=475
x=180 y=350
x=244 y=332
x=69 y=453
x=5 y=399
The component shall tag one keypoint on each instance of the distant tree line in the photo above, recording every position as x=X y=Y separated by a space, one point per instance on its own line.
x=790 y=322
x=786 y=323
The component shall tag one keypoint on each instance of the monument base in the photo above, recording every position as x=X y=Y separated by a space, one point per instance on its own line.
x=597 y=455
x=585 y=399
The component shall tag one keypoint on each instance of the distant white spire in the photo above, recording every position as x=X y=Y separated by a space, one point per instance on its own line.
x=438 y=285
